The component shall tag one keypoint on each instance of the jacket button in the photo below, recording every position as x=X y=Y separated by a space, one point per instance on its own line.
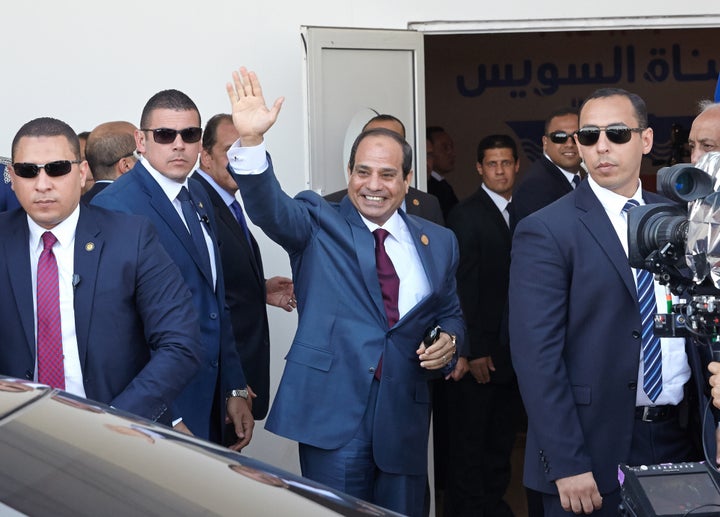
x=214 y=364
x=29 y=375
x=636 y=334
x=213 y=316
x=632 y=385
x=371 y=369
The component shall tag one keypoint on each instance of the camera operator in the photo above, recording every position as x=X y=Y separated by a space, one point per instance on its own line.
x=705 y=131
x=598 y=387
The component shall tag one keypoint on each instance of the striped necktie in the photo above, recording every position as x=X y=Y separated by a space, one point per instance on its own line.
x=651 y=350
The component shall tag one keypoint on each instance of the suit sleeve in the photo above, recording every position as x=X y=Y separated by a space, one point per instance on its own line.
x=171 y=330
x=538 y=300
x=450 y=316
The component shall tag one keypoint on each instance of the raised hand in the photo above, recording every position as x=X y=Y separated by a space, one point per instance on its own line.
x=251 y=116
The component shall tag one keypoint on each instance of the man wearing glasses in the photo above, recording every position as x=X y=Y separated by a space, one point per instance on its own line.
x=556 y=173
x=158 y=188
x=598 y=387
x=91 y=303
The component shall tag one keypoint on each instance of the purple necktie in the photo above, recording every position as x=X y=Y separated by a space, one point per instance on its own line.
x=51 y=370
x=240 y=218
x=389 y=284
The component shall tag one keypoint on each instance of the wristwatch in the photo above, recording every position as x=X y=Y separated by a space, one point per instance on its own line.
x=237 y=393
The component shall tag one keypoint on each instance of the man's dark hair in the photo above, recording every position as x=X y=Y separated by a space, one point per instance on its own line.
x=431 y=131
x=560 y=112
x=210 y=133
x=496 y=142
x=167 y=99
x=103 y=152
x=46 y=126
x=381 y=131
x=384 y=117
x=637 y=102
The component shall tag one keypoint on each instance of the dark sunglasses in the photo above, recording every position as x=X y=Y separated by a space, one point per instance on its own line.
x=53 y=169
x=559 y=137
x=616 y=134
x=164 y=135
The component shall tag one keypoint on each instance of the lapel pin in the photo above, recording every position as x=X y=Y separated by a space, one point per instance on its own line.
x=416 y=202
x=200 y=205
x=89 y=246
x=424 y=239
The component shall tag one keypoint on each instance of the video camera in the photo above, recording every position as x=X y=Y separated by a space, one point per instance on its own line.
x=680 y=243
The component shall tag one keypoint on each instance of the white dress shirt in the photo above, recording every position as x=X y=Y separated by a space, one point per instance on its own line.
x=500 y=202
x=64 y=251
x=675 y=367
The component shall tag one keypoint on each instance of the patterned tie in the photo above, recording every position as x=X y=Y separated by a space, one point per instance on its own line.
x=651 y=350
x=193 y=223
x=389 y=283
x=50 y=366
x=240 y=218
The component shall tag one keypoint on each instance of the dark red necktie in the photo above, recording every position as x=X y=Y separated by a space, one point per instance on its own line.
x=49 y=332
x=389 y=283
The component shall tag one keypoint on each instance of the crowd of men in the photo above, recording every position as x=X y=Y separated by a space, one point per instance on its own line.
x=513 y=308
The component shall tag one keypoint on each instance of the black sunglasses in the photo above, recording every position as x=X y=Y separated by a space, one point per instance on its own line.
x=559 y=137
x=164 y=135
x=616 y=134
x=53 y=169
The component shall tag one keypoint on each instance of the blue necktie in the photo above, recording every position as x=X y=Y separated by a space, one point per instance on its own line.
x=652 y=353
x=240 y=218
x=576 y=180
x=193 y=223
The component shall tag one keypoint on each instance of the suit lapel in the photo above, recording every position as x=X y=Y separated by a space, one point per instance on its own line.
x=497 y=218
x=557 y=176
x=165 y=209
x=17 y=254
x=364 y=244
x=88 y=248
x=596 y=221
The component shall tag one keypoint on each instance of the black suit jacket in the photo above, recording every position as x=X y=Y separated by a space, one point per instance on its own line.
x=417 y=203
x=245 y=295
x=445 y=194
x=95 y=190
x=543 y=183
x=482 y=278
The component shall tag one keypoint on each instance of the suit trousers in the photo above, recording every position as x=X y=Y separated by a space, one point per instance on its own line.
x=483 y=423
x=351 y=469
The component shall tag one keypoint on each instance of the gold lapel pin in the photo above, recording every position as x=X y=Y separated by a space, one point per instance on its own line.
x=416 y=202
x=424 y=239
x=89 y=246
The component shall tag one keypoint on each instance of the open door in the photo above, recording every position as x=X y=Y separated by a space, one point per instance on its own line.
x=352 y=74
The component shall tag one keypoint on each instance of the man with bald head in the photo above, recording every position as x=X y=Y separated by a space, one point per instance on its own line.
x=416 y=202
x=705 y=131
x=110 y=153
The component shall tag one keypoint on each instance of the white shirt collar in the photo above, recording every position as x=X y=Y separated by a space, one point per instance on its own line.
x=499 y=201
x=613 y=203
x=569 y=175
x=64 y=232
x=170 y=187
x=394 y=225
x=437 y=176
x=224 y=194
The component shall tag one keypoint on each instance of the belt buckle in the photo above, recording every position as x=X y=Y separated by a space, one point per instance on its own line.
x=646 y=414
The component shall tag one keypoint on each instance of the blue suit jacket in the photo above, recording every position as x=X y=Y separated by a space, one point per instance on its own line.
x=137 y=192
x=137 y=334
x=343 y=329
x=575 y=340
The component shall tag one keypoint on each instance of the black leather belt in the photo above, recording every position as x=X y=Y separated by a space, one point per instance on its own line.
x=655 y=413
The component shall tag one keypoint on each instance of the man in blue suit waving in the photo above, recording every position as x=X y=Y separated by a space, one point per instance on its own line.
x=355 y=391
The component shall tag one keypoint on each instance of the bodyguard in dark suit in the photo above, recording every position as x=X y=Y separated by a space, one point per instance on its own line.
x=417 y=202
x=114 y=321
x=443 y=164
x=556 y=173
x=576 y=328
x=246 y=289
x=159 y=189
x=355 y=390
x=484 y=407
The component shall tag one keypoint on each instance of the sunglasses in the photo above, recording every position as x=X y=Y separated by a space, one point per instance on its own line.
x=164 y=135
x=53 y=169
x=616 y=134
x=559 y=137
